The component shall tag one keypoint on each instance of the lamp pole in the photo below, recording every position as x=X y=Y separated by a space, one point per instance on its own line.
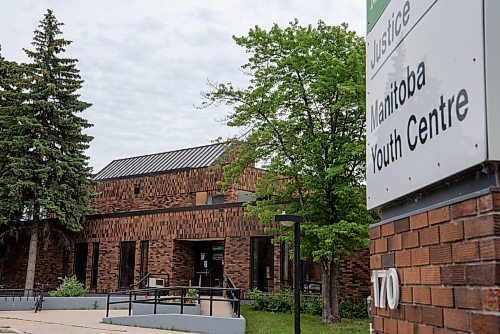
x=295 y=220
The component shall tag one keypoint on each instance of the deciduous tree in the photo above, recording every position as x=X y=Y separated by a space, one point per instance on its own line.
x=303 y=116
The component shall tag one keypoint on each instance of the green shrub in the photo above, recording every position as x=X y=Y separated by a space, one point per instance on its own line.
x=258 y=299
x=284 y=302
x=192 y=293
x=70 y=287
x=312 y=306
x=280 y=302
x=350 y=310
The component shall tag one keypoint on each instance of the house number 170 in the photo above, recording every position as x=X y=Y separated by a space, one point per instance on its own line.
x=385 y=287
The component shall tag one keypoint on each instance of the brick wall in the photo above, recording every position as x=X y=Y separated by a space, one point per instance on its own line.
x=355 y=277
x=120 y=215
x=48 y=268
x=167 y=190
x=447 y=263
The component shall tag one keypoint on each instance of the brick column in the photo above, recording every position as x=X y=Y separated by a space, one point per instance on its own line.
x=447 y=261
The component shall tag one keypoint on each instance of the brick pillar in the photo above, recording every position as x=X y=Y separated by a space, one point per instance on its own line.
x=237 y=261
x=447 y=261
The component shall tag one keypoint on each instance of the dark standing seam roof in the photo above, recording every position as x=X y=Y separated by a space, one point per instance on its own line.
x=195 y=157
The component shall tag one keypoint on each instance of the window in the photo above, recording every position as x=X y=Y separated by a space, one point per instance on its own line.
x=245 y=196
x=95 y=265
x=286 y=266
x=262 y=263
x=127 y=264
x=81 y=253
x=216 y=199
x=137 y=189
x=310 y=272
x=65 y=263
x=143 y=269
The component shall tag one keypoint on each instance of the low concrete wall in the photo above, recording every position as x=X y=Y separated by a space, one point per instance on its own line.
x=183 y=322
x=60 y=303
x=142 y=309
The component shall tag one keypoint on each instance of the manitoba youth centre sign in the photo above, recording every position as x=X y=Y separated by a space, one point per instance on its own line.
x=426 y=100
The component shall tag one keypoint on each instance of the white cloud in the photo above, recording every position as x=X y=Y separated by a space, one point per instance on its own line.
x=145 y=62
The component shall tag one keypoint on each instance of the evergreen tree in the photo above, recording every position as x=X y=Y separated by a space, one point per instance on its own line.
x=50 y=169
x=12 y=98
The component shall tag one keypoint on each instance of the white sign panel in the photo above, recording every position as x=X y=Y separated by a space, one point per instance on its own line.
x=425 y=95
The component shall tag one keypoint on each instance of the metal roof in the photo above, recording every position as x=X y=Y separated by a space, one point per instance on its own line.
x=194 y=157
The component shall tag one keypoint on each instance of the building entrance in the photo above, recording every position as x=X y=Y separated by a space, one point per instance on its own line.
x=209 y=264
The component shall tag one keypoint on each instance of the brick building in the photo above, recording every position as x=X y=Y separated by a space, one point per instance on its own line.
x=165 y=214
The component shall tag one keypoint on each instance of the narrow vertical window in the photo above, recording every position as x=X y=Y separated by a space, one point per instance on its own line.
x=81 y=253
x=95 y=265
x=127 y=264
x=262 y=263
x=143 y=269
x=65 y=263
x=286 y=266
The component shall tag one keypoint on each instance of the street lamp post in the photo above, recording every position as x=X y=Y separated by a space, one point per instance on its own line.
x=295 y=220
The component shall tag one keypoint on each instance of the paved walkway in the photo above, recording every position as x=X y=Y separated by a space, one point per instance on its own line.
x=71 y=322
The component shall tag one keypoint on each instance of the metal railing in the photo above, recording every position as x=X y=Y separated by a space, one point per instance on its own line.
x=140 y=284
x=234 y=294
x=20 y=293
x=310 y=287
x=175 y=295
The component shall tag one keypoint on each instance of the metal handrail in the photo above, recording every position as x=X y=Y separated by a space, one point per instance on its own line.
x=235 y=295
x=138 y=284
x=20 y=293
x=147 y=276
x=184 y=300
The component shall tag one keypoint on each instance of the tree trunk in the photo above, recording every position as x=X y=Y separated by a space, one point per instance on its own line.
x=330 y=291
x=30 y=271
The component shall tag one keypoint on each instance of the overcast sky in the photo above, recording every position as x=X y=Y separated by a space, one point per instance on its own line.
x=145 y=62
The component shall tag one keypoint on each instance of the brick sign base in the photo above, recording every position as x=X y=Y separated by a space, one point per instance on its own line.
x=447 y=261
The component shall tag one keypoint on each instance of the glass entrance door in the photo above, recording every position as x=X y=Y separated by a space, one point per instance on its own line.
x=209 y=264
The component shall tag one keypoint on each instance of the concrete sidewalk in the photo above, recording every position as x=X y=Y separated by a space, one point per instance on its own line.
x=67 y=321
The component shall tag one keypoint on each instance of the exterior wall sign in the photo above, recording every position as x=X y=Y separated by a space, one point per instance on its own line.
x=425 y=105
x=385 y=288
x=375 y=8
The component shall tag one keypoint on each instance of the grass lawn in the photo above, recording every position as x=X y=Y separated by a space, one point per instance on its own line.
x=260 y=322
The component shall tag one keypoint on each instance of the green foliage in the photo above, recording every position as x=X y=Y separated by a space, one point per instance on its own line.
x=42 y=144
x=283 y=301
x=303 y=117
x=192 y=293
x=350 y=310
x=312 y=306
x=70 y=287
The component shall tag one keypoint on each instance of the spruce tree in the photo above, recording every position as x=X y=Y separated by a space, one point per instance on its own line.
x=12 y=98
x=52 y=175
